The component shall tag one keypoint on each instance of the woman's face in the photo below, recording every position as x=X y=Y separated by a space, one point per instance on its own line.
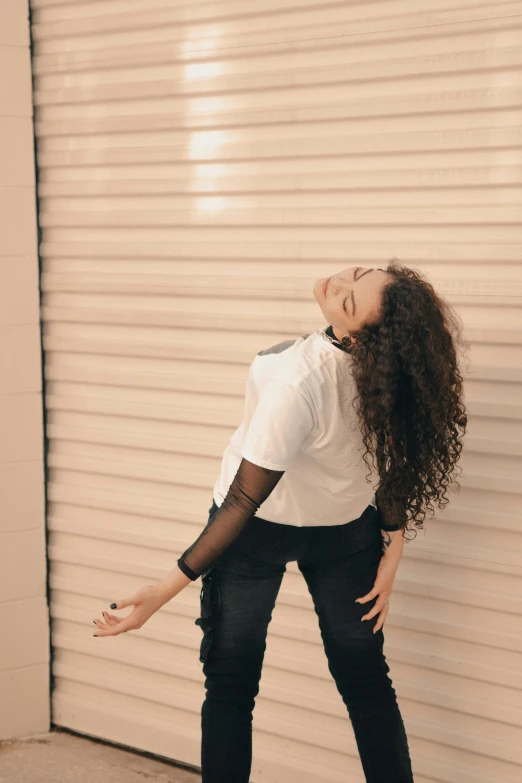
x=352 y=297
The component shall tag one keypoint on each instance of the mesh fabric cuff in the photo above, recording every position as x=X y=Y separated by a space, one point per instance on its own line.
x=187 y=571
x=384 y=526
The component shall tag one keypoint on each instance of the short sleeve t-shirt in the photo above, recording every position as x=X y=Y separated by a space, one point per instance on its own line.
x=299 y=418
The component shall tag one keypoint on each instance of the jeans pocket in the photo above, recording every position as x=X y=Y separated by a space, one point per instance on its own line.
x=260 y=535
x=210 y=605
x=362 y=532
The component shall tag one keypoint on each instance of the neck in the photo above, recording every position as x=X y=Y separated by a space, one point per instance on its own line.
x=337 y=333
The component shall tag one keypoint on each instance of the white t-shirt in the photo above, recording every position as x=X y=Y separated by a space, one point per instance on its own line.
x=294 y=421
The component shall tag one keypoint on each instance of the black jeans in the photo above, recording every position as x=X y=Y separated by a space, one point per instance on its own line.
x=238 y=594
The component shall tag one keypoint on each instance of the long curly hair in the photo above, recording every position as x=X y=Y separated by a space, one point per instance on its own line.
x=409 y=400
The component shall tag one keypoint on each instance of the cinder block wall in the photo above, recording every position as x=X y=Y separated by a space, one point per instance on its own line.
x=24 y=645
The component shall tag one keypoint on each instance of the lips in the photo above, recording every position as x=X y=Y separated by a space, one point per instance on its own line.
x=325 y=285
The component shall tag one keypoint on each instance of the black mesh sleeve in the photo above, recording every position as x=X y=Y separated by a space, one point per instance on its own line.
x=383 y=517
x=249 y=489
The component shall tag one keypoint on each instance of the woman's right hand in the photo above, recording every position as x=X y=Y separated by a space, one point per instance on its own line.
x=146 y=602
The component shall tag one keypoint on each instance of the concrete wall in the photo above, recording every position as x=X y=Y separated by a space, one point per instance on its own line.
x=24 y=649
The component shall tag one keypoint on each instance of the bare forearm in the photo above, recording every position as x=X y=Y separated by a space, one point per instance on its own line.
x=172 y=584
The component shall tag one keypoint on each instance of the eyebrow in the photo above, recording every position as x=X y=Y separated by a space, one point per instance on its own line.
x=353 y=298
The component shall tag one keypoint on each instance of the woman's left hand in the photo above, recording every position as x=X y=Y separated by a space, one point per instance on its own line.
x=382 y=589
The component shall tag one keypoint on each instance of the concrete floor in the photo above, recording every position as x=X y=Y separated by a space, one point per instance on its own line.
x=59 y=757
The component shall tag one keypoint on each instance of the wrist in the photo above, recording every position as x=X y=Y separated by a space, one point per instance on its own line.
x=162 y=593
x=393 y=544
x=171 y=585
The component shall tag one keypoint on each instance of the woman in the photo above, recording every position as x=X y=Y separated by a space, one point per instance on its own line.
x=378 y=390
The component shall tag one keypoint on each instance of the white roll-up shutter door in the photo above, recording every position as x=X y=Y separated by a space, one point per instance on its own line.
x=200 y=165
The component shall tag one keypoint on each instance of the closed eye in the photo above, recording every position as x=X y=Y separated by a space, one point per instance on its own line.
x=345 y=298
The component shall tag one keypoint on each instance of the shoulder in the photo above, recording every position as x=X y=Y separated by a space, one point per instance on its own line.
x=288 y=365
x=277 y=348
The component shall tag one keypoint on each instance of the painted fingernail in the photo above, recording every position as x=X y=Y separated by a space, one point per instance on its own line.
x=94 y=621
x=95 y=635
x=113 y=606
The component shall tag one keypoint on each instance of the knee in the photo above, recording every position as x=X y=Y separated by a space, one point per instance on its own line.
x=357 y=654
x=361 y=675
x=354 y=642
x=232 y=682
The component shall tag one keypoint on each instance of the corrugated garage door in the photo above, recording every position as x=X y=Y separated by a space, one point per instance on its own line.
x=200 y=165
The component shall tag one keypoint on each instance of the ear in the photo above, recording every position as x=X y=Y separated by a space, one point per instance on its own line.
x=348 y=340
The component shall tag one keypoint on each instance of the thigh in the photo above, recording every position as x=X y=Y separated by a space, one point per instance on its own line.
x=336 y=580
x=238 y=595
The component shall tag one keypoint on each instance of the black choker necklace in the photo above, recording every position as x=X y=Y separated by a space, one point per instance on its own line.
x=328 y=334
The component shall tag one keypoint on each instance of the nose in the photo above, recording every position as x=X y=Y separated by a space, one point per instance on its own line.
x=347 y=275
x=343 y=280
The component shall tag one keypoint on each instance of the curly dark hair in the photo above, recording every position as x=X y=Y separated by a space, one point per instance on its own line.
x=409 y=399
